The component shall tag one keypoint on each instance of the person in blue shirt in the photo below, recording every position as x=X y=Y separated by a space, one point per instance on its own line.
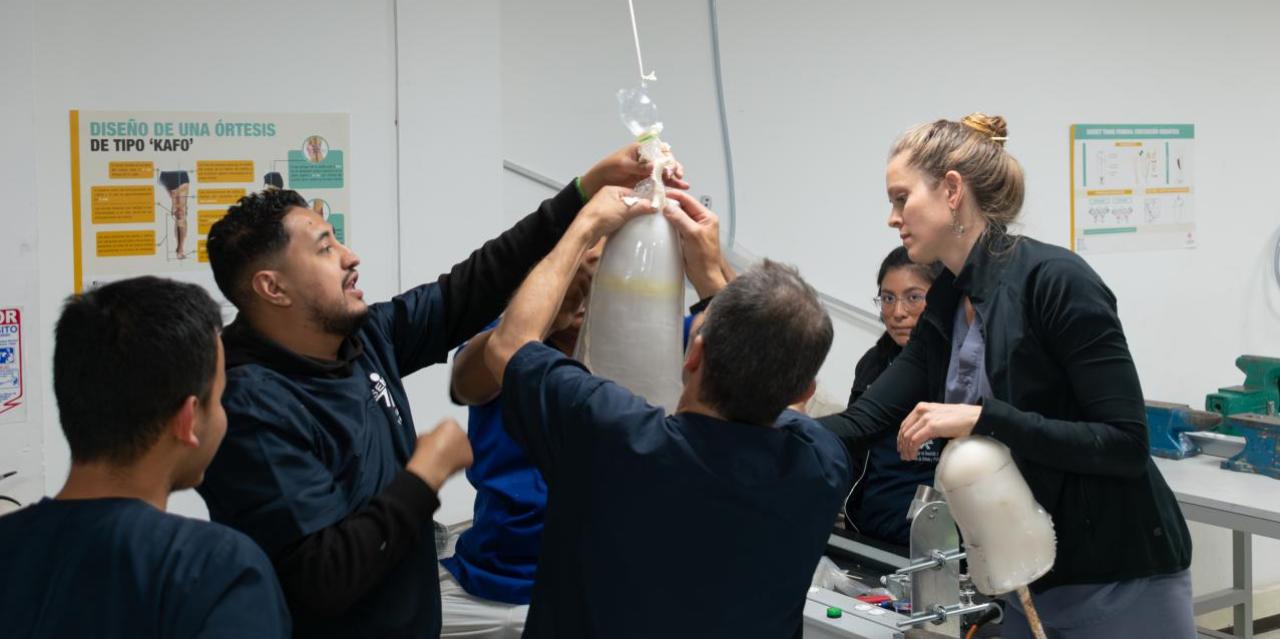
x=706 y=522
x=486 y=590
x=323 y=465
x=489 y=583
x=138 y=376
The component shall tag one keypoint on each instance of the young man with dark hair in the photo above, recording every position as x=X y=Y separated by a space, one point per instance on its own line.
x=322 y=464
x=709 y=522
x=138 y=375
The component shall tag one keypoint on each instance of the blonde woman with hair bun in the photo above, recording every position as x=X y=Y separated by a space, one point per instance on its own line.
x=1020 y=341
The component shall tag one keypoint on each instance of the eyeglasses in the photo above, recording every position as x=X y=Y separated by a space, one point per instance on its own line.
x=887 y=301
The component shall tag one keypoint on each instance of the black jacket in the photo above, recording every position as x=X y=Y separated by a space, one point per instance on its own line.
x=1066 y=400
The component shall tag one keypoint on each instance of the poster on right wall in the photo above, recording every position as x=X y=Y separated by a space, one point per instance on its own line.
x=1132 y=187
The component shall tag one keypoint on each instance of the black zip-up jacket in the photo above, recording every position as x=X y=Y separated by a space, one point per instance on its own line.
x=1066 y=401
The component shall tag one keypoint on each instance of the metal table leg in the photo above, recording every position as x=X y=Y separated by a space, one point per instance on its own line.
x=1242 y=579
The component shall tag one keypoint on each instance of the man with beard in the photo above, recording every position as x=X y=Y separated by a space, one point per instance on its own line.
x=321 y=464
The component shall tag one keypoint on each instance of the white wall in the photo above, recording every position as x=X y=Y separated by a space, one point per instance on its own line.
x=451 y=170
x=233 y=56
x=817 y=90
x=21 y=445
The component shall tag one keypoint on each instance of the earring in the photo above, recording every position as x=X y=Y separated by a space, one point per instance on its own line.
x=956 y=226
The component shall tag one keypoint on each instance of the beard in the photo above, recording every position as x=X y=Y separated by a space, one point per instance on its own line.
x=339 y=321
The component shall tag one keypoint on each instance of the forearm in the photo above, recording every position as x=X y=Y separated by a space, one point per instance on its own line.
x=328 y=571
x=853 y=428
x=709 y=282
x=1117 y=447
x=533 y=309
x=472 y=383
x=706 y=267
x=726 y=269
x=879 y=401
x=476 y=289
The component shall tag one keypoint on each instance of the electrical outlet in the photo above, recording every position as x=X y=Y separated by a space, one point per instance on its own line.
x=706 y=200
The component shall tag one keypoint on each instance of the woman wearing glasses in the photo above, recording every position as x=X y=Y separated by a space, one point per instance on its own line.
x=877 y=503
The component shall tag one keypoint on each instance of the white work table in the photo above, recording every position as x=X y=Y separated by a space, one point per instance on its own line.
x=1246 y=503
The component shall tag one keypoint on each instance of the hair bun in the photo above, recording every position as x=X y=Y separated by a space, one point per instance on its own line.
x=991 y=126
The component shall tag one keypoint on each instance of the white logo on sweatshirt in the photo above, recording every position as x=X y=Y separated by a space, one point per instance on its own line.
x=382 y=394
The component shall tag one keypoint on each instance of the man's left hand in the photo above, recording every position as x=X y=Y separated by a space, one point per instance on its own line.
x=699 y=230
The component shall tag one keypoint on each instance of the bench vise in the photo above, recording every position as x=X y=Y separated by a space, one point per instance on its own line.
x=1261 y=452
x=1168 y=425
x=1259 y=395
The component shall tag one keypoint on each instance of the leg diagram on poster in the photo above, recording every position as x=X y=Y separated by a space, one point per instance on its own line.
x=147 y=186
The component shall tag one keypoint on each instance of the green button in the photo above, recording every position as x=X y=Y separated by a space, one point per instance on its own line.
x=834 y=613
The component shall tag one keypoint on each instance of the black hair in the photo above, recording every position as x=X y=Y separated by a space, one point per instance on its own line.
x=126 y=356
x=898 y=258
x=251 y=232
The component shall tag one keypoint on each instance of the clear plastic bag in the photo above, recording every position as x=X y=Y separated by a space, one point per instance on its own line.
x=640 y=115
x=828 y=575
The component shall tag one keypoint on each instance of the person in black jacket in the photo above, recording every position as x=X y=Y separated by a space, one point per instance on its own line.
x=1021 y=342
x=322 y=464
x=877 y=504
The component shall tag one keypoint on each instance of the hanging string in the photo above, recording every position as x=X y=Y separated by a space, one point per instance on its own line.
x=635 y=34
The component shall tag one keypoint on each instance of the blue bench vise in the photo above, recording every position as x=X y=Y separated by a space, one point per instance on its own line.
x=1248 y=410
x=1168 y=425
x=1261 y=452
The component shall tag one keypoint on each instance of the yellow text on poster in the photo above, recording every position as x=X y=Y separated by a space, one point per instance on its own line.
x=202 y=252
x=123 y=204
x=219 y=196
x=126 y=243
x=206 y=219
x=130 y=170
x=214 y=171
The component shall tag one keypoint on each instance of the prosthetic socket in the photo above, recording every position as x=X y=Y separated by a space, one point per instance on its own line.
x=1008 y=537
